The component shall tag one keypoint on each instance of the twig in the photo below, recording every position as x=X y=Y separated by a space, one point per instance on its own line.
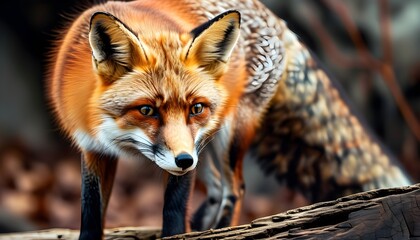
x=332 y=49
x=385 y=24
x=384 y=68
x=388 y=73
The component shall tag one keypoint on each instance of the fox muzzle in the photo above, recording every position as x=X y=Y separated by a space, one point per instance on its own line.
x=184 y=160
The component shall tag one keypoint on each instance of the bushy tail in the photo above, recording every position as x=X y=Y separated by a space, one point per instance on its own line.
x=313 y=139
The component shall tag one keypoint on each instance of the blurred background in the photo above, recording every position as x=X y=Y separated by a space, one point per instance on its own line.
x=371 y=47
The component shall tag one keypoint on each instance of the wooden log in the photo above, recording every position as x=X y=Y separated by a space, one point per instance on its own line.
x=385 y=213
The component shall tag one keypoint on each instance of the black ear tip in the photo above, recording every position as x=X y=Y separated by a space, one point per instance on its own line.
x=233 y=12
x=198 y=30
x=100 y=15
x=95 y=17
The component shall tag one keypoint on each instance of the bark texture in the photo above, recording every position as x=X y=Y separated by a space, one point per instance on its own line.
x=385 y=213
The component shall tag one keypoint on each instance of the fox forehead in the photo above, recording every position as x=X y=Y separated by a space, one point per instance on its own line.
x=164 y=47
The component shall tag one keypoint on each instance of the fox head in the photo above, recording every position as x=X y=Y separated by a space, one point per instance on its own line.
x=158 y=93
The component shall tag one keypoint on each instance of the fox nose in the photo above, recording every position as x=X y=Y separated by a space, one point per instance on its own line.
x=184 y=160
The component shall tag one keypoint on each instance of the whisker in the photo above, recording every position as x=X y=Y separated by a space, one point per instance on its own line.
x=203 y=143
x=128 y=139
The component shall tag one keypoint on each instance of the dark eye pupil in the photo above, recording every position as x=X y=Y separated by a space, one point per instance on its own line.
x=146 y=110
x=197 y=108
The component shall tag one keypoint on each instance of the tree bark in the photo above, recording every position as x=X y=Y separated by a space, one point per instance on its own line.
x=385 y=213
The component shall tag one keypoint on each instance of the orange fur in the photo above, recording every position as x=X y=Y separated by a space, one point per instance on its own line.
x=158 y=79
x=144 y=79
x=75 y=89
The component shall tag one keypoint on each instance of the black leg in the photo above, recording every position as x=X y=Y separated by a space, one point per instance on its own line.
x=198 y=222
x=98 y=171
x=91 y=227
x=175 y=206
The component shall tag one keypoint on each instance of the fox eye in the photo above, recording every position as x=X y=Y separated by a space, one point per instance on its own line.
x=147 y=110
x=197 y=109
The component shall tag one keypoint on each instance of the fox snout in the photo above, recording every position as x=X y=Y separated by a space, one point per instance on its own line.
x=177 y=152
x=177 y=164
x=184 y=160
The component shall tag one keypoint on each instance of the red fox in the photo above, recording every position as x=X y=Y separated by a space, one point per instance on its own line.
x=179 y=81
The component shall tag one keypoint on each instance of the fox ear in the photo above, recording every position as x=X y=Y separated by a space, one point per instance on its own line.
x=115 y=48
x=212 y=43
